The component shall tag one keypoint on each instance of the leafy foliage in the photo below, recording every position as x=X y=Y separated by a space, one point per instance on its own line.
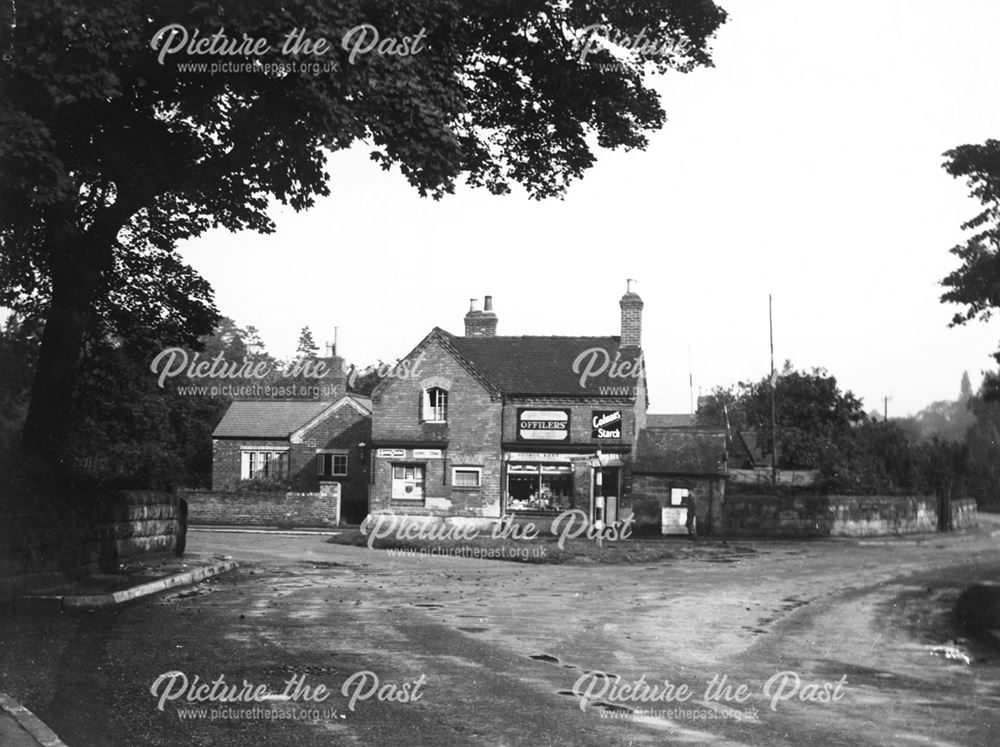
x=976 y=283
x=823 y=428
x=108 y=158
x=307 y=347
x=812 y=415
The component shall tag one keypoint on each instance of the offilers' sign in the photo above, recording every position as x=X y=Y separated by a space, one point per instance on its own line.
x=542 y=425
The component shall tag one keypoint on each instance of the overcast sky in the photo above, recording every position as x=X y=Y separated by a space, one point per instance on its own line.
x=806 y=164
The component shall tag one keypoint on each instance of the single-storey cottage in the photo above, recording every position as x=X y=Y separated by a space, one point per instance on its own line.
x=305 y=446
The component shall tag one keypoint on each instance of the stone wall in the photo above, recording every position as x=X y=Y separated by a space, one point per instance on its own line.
x=68 y=536
x=833 y=516
x=264 y=509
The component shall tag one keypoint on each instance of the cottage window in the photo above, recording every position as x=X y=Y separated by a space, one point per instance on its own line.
x=435 y=405
x=408 y=482
x=331 y=464
x=467 y=477
x=269 y=464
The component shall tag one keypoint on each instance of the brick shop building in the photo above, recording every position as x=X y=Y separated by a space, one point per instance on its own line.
x=483 y=425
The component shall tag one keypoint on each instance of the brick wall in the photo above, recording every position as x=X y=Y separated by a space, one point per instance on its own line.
x=70 y=535
x=639 y=411
x=342 y=430
x=291 y=509
x=472 y=434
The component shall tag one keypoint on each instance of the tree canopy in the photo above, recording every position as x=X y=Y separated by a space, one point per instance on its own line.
x=975 y=284
x=821 y=427
x=811 y=412
x=111 y=152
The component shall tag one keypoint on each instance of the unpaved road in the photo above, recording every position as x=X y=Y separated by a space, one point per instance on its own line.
x=502 y=651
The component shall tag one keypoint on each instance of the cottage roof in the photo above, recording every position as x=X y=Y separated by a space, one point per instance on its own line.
x=544 y=366
x=670 y=420
x=276 y=418
x=673 y=451
x=746 y=449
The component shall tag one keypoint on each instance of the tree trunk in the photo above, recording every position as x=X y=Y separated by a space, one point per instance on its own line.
x=77 y=265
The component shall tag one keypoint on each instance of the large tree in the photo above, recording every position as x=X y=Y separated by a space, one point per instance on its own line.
x=108 y=147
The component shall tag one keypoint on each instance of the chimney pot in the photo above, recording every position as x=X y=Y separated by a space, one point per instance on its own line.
x=481 y=323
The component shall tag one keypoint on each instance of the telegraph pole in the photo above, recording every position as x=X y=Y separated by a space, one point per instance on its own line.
x=774 y=384
x=690 y=382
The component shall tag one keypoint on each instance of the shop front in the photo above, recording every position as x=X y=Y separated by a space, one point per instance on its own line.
x=538 y=483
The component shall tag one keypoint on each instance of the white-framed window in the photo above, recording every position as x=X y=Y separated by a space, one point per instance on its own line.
x=408 y=482
x=678 y=496
x=435 y=405
x=331 y=463
x=263 y=463
x=467 y=477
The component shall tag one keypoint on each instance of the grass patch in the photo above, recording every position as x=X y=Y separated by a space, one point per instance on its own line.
x=545 y=549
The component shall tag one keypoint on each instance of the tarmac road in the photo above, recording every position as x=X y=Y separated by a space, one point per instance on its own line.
x=838 y=636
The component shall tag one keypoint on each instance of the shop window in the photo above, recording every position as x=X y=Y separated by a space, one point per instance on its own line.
x=331 y=464
x=435 y=405
x=467 y=477
x=679 y=496
x=408 y=482
x=539 y=487
x=269 y=464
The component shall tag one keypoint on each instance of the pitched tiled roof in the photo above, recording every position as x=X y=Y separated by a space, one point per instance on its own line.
x=690 y=452
x=670 y=420
x=543 y=366
x=272 y=418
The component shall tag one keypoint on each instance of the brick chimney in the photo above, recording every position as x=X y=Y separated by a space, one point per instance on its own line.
x=333 y=385
x=631 y=306
x=481 y=323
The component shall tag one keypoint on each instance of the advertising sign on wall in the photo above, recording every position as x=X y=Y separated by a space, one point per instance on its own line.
x=542 y=425
x=606 y=424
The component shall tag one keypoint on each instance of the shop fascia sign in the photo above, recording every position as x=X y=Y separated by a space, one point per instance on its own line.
x=413 y=453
